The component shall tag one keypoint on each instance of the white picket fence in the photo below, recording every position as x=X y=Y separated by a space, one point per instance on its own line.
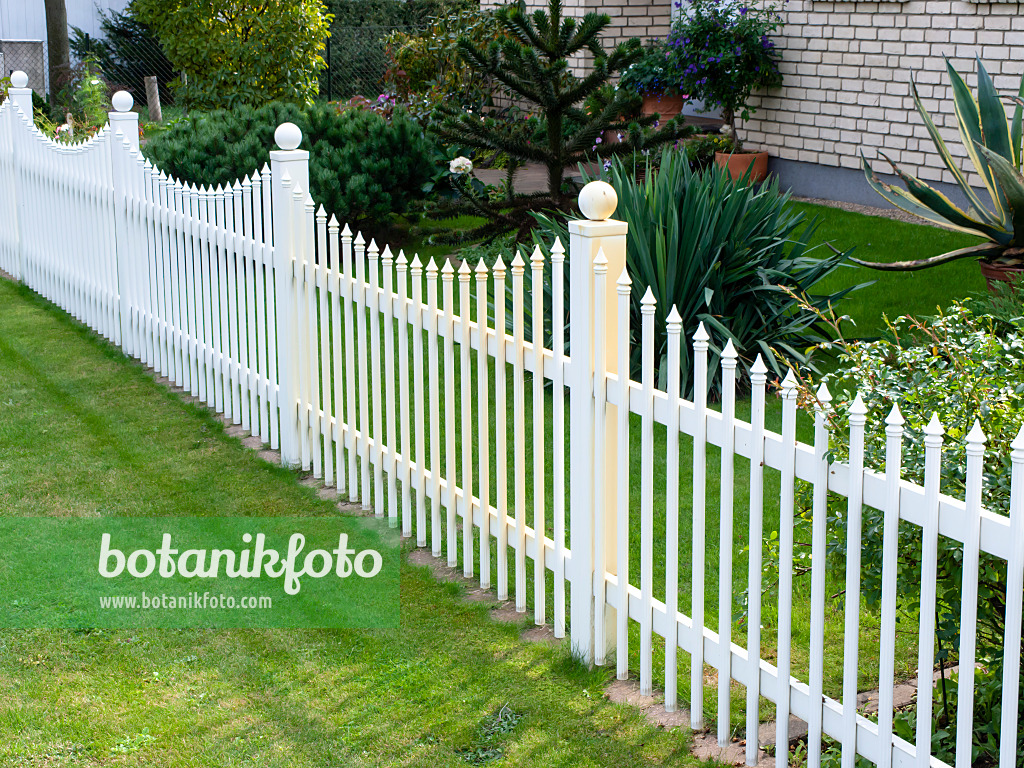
x=349 y=359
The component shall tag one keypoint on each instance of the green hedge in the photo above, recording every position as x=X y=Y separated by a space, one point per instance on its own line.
x=362 y=168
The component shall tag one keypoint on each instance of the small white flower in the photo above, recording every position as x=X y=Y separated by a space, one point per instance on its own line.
x=460 y=166
x=94 y=82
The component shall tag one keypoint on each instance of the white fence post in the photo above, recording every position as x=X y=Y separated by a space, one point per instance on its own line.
x=586 y=238
x=21 y=98
x=124 y=128
x=291 y=163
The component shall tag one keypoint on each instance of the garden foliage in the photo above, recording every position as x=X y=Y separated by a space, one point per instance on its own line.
x=531 y=63
x=962 y=365
x=362 y=168
x=235 y=52
x=723 y=253
x=722 y=51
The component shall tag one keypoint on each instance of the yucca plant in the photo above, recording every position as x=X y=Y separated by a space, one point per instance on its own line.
x=723 y=253
x=995 y=148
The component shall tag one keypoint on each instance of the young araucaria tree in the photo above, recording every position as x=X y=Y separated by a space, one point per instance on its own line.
x=560 y=119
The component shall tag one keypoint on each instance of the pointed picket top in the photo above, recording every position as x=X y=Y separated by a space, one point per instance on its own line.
x=401 y=262
x=299 y=195
x=387 y=258
x=701 y=335
x=219 y=190
x=266 y=169
x=247 y=183
x=730 y=353
x=858 y=412
x=255 y=177
x=447 y=271
x=789 y=384
x=934 y=428
x=237 y=186
x=416 y=266
x=359 y=238
x=557 y=251
x=895 y=417
x=624 y=282
x=464 y=271
x=310 y=202
x=537 y=258
x=600 y=263
x=759 y=368
x=346 y=231
x=481 y=270
x=333 y=223
x=499 y=269
x=976 y=437
x=432 y=268
x=371 y=250
x=648 y=302
x=823 y=395
x=518 y=265
x=674 y=321
x=321 y=214
x=1018 y=443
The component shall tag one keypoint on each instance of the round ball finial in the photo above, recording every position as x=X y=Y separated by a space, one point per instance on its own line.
x=122 y=101
x=598 y=200
x=288 y=136
x=19 y=79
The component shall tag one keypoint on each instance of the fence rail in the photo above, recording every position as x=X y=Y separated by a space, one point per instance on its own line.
x=409 y=388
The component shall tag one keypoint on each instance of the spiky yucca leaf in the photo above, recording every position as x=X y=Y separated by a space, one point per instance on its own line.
x=996 y=149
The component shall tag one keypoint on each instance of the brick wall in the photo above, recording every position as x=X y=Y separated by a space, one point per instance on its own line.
x=847 y=67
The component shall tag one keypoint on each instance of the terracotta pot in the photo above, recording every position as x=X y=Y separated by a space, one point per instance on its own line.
x=998 y=273
x=739 y=162
x=665 y=106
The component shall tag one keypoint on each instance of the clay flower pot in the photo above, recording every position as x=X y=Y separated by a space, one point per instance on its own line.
x=998 y=273
x=658 y=104
x=739 y=162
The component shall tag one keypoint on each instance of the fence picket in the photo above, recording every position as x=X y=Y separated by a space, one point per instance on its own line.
x=466 y=417
x=623 y=286
x=434 y=407
x=558 y=432
x=363 y=348
x=403 y=470
x=819 y=530
x=374 y=302
x=420 y=480
x=500 y=428
x=786 y=510
x=851 y=633
x=969 y=598
x=447 y=331
x=325 y=370
x=700 y=399
x=349 y=291
x=391 y=465
x=1014 y=594
x=540 y=570
x=890 y=543
x=728 y=364
x=519 y=429
x=647 y=308
x=483 y=437
x=758 y=380
x=340 y=374
x=674 y=336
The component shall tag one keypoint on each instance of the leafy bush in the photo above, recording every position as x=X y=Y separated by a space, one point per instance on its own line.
x=724 y=52
x=722 y=253
x=426 y=68
x=234 y=53
x=701 y=149
x=655 y=73
x=962 y=365
x=362 y=167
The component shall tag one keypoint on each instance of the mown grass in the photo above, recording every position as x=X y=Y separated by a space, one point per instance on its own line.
x=85 y=432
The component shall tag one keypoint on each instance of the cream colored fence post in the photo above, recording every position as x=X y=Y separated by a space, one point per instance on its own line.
x=586 y=237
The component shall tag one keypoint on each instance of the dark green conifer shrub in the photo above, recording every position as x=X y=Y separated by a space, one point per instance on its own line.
x=362 y=168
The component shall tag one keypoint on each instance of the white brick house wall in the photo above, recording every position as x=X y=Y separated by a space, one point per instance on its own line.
x=847 y=68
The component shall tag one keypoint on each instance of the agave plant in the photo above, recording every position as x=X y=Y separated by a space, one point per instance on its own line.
x=995 y=148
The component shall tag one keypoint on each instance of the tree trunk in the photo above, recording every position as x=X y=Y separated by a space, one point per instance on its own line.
x=57 y=45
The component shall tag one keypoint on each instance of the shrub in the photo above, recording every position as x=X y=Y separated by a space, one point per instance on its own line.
x=362 y=167
x=721 y=252
x=236 y=53
x=701 y=149
x=962 y=365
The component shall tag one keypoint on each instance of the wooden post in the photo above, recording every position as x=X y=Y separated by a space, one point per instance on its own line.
x=153 y=100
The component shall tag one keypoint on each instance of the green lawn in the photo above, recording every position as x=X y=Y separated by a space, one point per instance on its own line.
x=893 y=293
x=86 y=432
